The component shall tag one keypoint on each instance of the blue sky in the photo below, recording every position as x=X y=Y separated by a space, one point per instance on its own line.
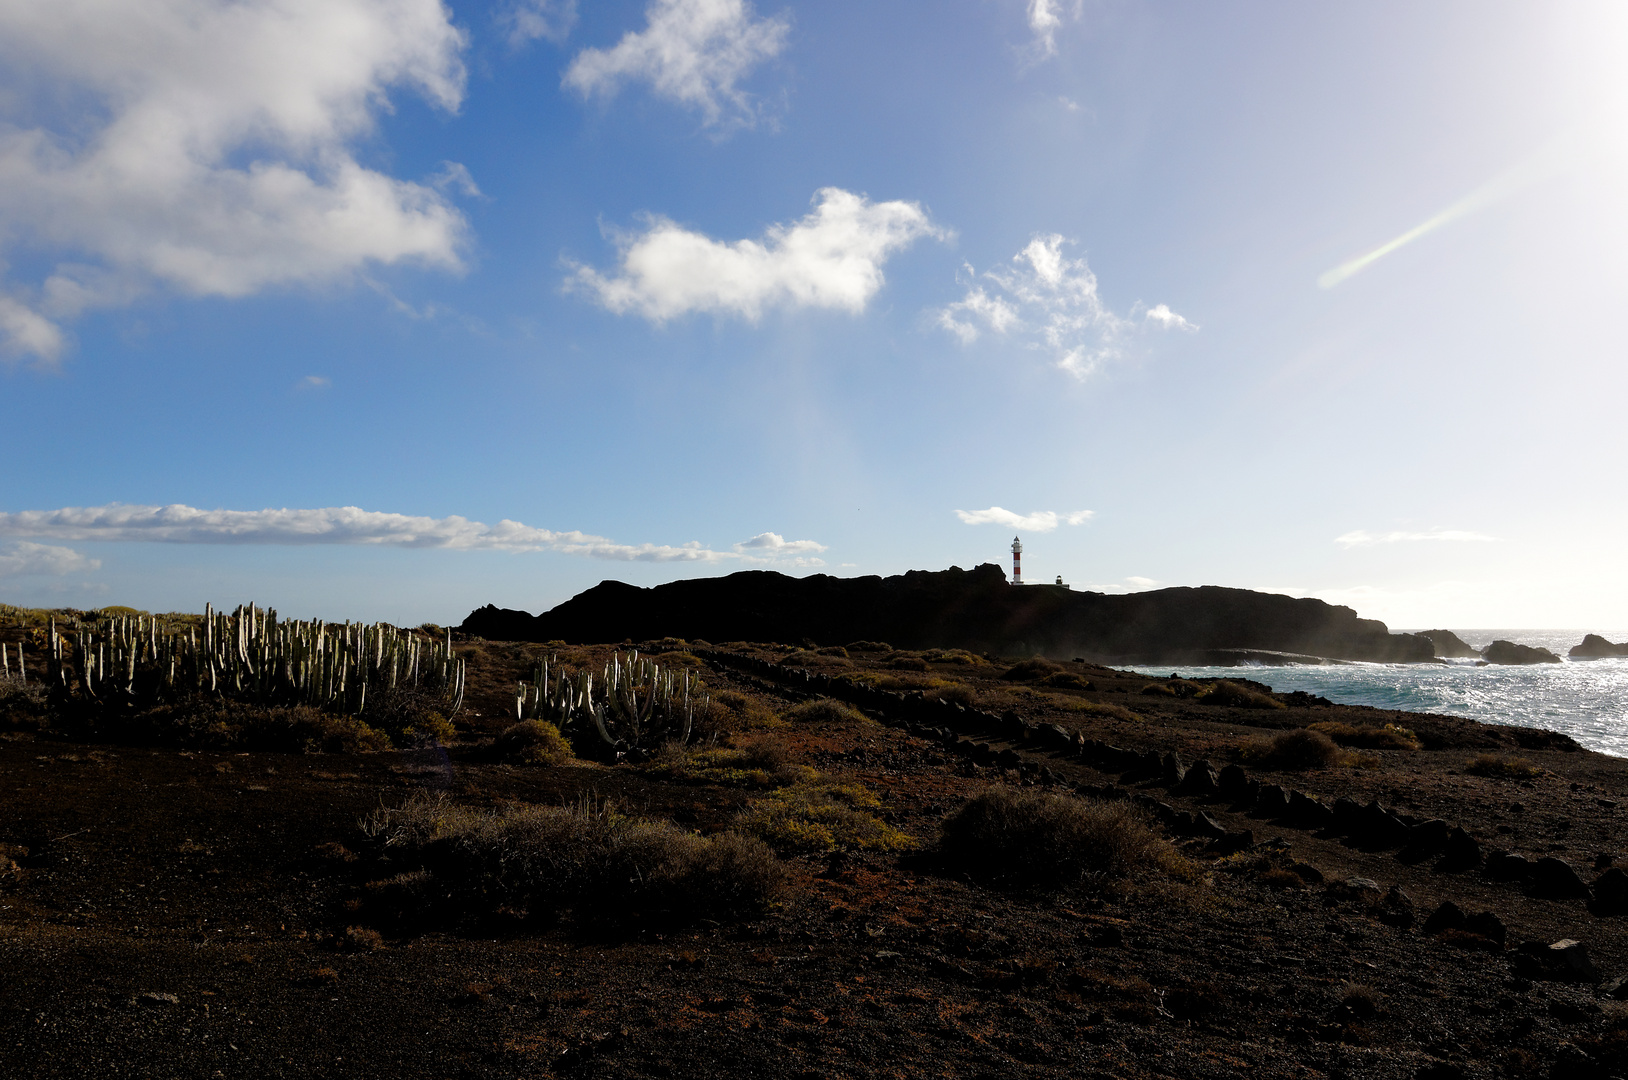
x=390 y=308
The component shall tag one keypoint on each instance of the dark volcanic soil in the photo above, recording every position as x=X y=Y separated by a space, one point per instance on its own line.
x=191 y=914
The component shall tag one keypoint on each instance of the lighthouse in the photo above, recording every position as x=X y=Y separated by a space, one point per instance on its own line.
x=1017 y=561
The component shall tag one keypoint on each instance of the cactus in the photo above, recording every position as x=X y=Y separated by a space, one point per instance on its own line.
x=249 y=656
x=639 y=704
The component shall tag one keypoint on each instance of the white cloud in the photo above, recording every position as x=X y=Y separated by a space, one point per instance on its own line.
x=1142 y=582
x=1040 y=521
x=350 y=525
x=1052 y=302
x=1044 y=21
x=314 y=382
x=19 y=559
x=528 y=20
x=832 y=258
x=692 y=51
x=1363 y=538
x=204 y=146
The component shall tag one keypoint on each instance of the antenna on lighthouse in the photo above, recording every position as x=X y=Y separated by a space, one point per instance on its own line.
x=1017 y=561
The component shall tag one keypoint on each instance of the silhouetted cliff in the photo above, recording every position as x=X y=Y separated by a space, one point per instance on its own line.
x=971 y=609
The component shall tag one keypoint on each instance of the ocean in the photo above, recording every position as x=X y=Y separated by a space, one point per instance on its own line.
x=1586 y=699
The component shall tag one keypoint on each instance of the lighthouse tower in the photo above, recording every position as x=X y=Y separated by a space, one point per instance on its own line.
x=1017 y=561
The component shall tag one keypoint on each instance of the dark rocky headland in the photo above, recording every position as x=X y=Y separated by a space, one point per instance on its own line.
x=967 y=609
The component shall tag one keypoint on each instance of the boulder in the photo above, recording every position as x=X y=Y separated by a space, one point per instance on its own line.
x=1201 y=780
x=1449 y=645
x=1234 y=782
x=1377 y=828
x=1508 y=866
x=1307 y=812
x=1563 y=961
x=1426 y=840
x=1507 y=652
x=1554 y=879
x=1449 y=916
x=1610 y=892
x=1487 y=925
x=1171 y=771
x=1394 y=909
x=1461 y=852
x=1272 y=802
x=1595 y=647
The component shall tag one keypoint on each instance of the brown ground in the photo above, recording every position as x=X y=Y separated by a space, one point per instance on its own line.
x=188 y=914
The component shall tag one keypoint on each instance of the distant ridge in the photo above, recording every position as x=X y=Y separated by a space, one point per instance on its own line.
x=972 y=609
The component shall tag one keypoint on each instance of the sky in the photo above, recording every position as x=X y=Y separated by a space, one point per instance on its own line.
x=387 y=309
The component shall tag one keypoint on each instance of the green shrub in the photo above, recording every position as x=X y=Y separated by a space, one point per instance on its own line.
x=907 y=662
x=1389 y=737
x=544 y=859
x=833 y=650
x=1503 y=768
x=1154 y=689
x=819 y=818
x=826 y=710
x=869 y=646
x=1027 y=837
x=1068 y=680
x=1225 y=692
x=533 y=742
x=1299 y=749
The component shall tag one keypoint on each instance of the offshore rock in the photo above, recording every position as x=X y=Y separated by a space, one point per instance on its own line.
x=1595 y=647
x=1449 y=645
x=1507 y=652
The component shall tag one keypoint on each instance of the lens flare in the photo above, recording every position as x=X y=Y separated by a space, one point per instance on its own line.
x=1539 y=166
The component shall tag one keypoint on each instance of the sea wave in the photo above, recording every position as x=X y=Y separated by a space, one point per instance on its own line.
x=1586 y=699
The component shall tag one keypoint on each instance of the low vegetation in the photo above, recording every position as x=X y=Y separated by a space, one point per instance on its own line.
x=1036 y=667
x=1389 y=737
x=533 y=742
x=756 y=762
x=1503 y=768
x=816 y=818
x=825 y=711
x=1235 y=695
x=468 y=864
x=1028 y=837
x=1301 y=748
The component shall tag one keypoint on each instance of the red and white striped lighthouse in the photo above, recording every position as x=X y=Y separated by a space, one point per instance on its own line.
x=1017 y=561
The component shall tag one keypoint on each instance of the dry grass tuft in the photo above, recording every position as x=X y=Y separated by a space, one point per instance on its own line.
x=819 y=818
x=1035 y=838
x=1503 y=768
x=533 y=742
x=1389 y=737
x=826 y=710
x=1301 y=748
x=542 y=859
x=1234 y=695
x=1036 y=667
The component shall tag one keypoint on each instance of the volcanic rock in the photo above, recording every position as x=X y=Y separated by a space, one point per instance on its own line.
x=1507 y=652
x=1594 y=647
x=1554 y=879
x=1449 y=645
x=973 y=609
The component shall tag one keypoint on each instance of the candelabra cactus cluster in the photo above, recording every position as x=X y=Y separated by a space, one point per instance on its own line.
x=248 y=656
x=636 y=706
